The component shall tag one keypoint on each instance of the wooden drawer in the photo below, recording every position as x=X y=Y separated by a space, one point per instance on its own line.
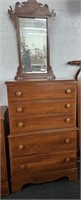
x=42 y=122
x=31 y=165
x=41 y=90
x=18 y=109
x=42 y=143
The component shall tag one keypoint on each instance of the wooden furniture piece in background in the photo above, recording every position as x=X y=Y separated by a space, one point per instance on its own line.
x=43 y=131
x=3 y=135
x=78 y=77
x=79 y=114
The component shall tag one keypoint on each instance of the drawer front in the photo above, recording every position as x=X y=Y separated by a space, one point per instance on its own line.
x=46 y=90
x=42 y=122
x=42 y=143
x=33 y=165
x=18 y=109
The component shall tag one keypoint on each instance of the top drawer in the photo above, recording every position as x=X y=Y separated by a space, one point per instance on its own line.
x=41 y=90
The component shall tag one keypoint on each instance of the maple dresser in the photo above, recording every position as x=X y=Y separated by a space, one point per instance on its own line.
x=3 y=137
x=43 y=130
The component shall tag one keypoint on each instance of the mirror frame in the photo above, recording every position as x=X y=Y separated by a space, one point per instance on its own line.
x=31 y=9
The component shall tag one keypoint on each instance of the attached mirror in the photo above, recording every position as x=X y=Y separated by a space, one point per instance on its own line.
x=31 y=20
x=33 y=45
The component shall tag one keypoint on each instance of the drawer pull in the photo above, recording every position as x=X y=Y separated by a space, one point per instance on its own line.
x=18 y=94
x=67 y=105
x=22 y=167
x=67 y=120
x=68 y=91
x=21 y=146
x=67 y=159
x=67 y=141
x=20 y=124
x=19 y=109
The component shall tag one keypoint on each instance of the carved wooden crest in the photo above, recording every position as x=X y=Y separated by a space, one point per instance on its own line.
x=30 y=8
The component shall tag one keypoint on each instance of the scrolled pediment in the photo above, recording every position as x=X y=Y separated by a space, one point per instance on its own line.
x=30 y=7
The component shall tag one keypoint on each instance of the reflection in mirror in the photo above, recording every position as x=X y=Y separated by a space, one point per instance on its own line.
x=33 y=45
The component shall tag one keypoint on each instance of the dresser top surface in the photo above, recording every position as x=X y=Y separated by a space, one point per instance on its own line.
x=54 y=81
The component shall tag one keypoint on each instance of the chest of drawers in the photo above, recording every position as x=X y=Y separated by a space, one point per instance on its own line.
x=43 y=131
x=3 y=167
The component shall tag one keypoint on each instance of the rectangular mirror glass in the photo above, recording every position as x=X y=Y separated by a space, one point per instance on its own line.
x=33 y=45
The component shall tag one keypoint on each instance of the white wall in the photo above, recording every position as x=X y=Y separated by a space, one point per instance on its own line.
x=65 y=40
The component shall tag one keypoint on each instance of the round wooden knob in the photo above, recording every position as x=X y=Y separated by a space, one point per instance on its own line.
x=21 y=146
x=68 y=91
x=20 y=124
x=67 y=140
x=67 y=159
x=19 y=109
x=68 y=106
x=22 y=167
x=67 y=120
x=18 y=93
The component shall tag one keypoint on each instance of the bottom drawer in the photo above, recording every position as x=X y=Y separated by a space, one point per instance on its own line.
x=31 y=165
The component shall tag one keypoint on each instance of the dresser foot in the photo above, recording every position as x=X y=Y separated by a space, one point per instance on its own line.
x=73 y=175
x=16 y=185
